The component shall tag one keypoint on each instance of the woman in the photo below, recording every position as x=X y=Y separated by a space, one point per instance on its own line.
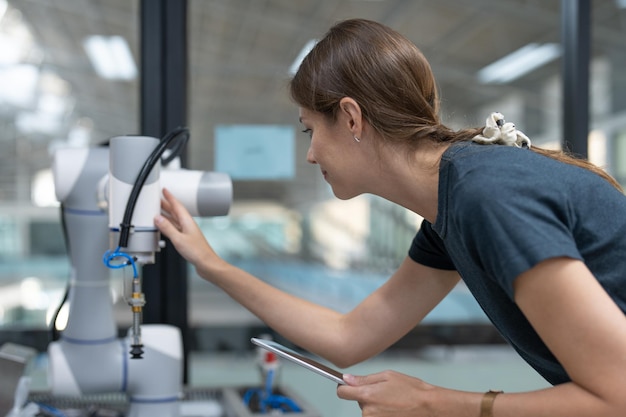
x=538 y=237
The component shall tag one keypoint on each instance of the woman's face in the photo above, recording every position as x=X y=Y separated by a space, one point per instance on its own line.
x=334 y=149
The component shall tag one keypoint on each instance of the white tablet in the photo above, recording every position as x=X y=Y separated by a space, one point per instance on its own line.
x=310 y=364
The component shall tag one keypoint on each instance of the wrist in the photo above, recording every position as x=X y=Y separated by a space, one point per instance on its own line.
x=212 y=269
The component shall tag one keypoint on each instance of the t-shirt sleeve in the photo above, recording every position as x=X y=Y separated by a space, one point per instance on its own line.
x=428 y=249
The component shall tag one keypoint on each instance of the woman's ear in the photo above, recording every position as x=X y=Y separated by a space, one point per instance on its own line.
x=351 y=114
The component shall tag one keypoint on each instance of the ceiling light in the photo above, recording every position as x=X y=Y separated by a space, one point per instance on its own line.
x=111 y=57
x=303 y=52
x=519 y=63
x=18 y=85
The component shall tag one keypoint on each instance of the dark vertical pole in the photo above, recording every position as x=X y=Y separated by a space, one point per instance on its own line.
x=576 y=42
x=163 y=108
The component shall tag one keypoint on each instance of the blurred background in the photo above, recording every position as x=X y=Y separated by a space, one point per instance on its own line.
x=72 y=75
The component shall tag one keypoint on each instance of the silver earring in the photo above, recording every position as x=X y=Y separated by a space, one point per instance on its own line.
x=357 y=139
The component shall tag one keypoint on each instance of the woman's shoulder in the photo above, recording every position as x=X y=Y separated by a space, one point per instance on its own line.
x=471 y=154
x=486 y=168
x=473 y=174
x=512 y=166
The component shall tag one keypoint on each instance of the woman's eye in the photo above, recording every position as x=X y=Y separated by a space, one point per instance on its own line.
x=308 y=132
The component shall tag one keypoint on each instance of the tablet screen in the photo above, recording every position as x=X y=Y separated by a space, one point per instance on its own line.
x=301 y=360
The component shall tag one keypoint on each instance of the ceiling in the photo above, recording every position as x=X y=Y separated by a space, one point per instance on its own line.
x=239 y=54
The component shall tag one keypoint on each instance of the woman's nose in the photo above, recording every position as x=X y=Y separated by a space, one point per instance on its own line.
x=309 y=157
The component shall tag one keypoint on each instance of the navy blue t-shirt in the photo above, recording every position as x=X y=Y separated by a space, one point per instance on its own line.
x=501 y=211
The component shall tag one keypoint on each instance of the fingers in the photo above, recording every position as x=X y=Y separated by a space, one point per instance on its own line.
x=357 y=387
x=168 y=195
x=165 y=226
x=177 y=224
x=169 y=203
x=166 y=206
x=354 y=380
x=174 y=210
x=171 y=217
x=168 y=222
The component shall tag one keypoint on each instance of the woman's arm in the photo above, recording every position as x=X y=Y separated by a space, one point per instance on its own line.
x=344 y=339
x=577 y=320
x=585 y=330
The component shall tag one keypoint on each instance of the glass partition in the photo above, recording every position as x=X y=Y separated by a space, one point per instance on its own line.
x=292 y=231
x=285 y=225
x=68 y=79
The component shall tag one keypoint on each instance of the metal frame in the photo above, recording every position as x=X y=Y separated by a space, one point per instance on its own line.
x=163 y=107
x=576 y=41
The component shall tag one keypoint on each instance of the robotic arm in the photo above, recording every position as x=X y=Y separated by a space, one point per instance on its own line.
x=128 y=178
x=134 y=200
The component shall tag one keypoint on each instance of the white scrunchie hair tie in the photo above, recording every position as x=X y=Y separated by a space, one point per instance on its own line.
x=498 y=132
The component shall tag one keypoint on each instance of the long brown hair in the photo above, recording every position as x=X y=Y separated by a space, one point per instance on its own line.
x=393 y=83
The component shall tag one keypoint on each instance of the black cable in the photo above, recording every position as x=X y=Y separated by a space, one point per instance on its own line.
x=176 y=149
x=152 y=160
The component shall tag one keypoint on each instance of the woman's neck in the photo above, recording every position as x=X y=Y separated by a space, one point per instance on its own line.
x=411 y=181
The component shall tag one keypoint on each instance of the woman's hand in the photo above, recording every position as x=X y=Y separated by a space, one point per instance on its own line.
x=176 y=223
x=387 y=394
